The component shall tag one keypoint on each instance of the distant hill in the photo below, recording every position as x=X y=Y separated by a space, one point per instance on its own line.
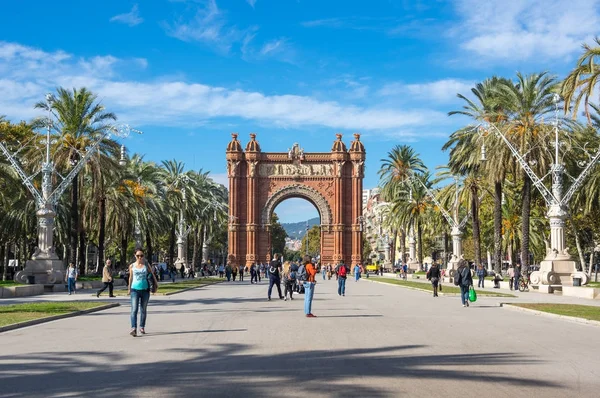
x=297 y=230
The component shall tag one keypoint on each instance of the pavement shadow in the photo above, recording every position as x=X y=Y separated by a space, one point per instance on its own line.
x=192 y=332
x=238 y=370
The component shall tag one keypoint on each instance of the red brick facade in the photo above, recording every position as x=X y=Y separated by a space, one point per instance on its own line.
x=259 y=181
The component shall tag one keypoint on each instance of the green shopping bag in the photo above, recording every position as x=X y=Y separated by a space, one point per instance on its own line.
x=472 y=294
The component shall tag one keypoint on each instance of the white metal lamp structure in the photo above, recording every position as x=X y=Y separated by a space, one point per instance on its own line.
x=45 y=266
x=455 y=223
x=557 y=268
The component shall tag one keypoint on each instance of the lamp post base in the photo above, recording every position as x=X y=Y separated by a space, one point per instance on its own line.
x=557 y=272
x=45 y=271
x=414 y=265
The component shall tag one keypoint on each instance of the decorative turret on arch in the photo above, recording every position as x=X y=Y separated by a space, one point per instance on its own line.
x=297 y=191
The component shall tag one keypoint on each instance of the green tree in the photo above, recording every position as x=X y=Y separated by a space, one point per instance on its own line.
x=314 y=241
x=278 y=235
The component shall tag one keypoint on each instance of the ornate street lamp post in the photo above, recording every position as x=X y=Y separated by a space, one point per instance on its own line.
x=45 y=266
x=557 y=268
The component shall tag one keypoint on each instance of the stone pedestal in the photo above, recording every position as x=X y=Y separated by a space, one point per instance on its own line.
x=45 y=271
x=557 y=272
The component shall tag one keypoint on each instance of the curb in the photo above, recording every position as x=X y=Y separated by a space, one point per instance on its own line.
x=56 y=317
x=550 y=315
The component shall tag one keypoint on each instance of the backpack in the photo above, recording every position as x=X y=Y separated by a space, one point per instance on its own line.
x=292 y=275
x=302 y=273
x=342 y=271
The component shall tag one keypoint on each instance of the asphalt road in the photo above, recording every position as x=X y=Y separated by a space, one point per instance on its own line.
x=227 y=340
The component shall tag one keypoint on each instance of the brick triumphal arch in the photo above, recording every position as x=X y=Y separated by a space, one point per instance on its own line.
x=259 y=181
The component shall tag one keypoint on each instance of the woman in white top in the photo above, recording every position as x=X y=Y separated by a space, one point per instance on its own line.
x=71 y=277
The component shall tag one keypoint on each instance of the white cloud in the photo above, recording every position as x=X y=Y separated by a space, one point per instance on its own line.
x=522 y=30
x=179 y=103
x=272 y=46
x=131 y=18
x=440 y=91
x=209 y=26
x=251 y=2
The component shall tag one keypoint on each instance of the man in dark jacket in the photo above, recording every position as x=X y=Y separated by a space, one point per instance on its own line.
x=434 y=276
x=464 y=280
x=275 y=276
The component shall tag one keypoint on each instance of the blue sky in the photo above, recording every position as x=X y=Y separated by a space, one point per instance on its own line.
x=189 y=72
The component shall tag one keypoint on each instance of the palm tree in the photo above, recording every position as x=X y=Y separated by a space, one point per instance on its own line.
x=486 y=108
x=81 y=120
x=527 y=102
x=581 y=82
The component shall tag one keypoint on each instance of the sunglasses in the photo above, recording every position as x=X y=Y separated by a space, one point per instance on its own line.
x=139 y=255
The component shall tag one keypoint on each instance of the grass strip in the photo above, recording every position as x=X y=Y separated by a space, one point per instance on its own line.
x=16 y=313
x=9 y=283
x=447 y=289
x=589 y=312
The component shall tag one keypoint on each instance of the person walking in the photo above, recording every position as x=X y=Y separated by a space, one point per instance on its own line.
x=289 y=279
x=228 y=272
x=342 y=271
x=464 y=280
x=356 y=272
x=433 y=275
x=234 y=271
x=404 y=271
x=309 y=286
x=139 y=289
x=107 y=279
x=324 y=271
x=261 y=271
x=275 y=276
x=173 y=274
x=481 y=276
x=71 y=278
x=511 y=276
x=253 y=273
x=517 y=276
x=241 y=273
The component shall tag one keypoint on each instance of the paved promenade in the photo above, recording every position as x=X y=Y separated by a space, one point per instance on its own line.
x=380 y=340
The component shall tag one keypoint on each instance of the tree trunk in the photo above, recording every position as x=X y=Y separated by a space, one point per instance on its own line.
x=201 y=243
x=124 y=261
x=420 y=247
x=5 y=249
x=195 y=248
x=578 y=244
x=591 y=263
x=82 y=255
x=74 y=221
x=101 y=234
x=393 y=247
x=172 y=245
x=402 y=245
x=526 y=202
x=476 y=229
x=498 y=226
x=149 y=251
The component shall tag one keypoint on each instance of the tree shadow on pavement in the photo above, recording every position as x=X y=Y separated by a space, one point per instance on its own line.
x=238 y=370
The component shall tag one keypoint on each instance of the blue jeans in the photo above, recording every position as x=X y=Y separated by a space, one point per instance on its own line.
x=464 y=294
x=71 y=285
x=341 y=286
x=139 y=299
x=323 y=274
x=356 y=276
x=309 y=291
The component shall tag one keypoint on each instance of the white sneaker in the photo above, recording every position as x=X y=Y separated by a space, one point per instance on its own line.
x=464 y=305
x=285 y=299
